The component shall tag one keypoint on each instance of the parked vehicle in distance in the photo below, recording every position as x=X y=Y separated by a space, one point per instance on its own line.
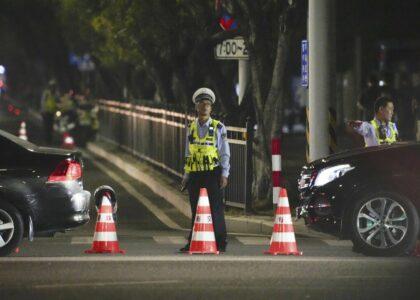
x=369 y=195
x=41 y=191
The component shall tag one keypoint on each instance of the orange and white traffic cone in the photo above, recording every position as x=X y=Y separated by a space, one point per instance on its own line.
x=68 y=141
x=105 y=237
x=283 y=239
x=203 y=240
x=22 y=131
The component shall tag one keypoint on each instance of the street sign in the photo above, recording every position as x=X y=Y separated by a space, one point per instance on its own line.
x=305 y=65
x=232 y=49
x=227 y=22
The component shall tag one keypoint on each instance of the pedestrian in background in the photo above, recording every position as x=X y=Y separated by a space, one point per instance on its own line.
x=49 y=101
x=207 y=165
x=380 y=130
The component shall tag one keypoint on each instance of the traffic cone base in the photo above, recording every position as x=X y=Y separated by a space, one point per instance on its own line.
x=105 y=238
x=105 y=247
x=283 y=240
x=283 y=248
x=203 y=240
x=203 y=245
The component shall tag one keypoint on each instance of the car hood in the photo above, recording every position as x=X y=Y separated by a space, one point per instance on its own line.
x=355 y=154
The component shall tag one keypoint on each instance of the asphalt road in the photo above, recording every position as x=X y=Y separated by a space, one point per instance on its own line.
x=58 y=268
x=205 y=277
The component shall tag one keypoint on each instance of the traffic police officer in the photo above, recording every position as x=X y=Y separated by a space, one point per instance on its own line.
x=49 y=108
x=207 y=163
x=380 y=130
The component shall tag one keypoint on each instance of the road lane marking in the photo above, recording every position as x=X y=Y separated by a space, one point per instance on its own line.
x=164 y=218
x=81 y=240
x=205 y=258
x=104 y=284
x=249 y=241
x=338 y=243
x=174 y=240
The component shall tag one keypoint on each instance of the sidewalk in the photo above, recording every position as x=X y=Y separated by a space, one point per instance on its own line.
x=168 y=188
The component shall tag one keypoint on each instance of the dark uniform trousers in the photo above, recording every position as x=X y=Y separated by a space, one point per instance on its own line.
x=211 y=181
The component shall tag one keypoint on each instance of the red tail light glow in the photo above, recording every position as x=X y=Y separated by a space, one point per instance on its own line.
x=67 y=170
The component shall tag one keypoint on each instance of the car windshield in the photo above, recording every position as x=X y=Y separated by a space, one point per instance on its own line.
x=25 y=144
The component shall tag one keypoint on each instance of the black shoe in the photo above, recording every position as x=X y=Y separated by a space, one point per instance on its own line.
x=186 y=248
x=222 y=248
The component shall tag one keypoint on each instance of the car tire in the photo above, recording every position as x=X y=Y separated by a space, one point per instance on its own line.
x=374 y=234
x=10 y=237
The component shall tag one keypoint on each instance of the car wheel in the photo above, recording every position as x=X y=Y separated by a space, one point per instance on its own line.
x=384 y=224
x=11 y=228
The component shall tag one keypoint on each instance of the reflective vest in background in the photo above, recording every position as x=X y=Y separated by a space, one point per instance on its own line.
x=389 y=139
x=50 y=102
x=66 y=104
x=203 y=151
x=84 y=117
x=94 y=118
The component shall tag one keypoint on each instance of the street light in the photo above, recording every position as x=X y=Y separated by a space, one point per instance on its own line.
x=2 y=69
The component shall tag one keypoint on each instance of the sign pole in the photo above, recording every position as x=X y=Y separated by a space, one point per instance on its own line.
x=321 y=75
x=243 y=75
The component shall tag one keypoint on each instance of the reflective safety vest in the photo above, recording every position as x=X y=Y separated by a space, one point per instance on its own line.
x=388 y=139
x=203 y=151
x=50 y=102
x=84 y=117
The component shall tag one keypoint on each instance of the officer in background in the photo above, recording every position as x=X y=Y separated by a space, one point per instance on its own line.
x=380 y=130
x=207 y=163
x=49 y=108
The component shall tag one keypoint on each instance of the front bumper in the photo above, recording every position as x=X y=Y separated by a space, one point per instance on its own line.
x=317 y=209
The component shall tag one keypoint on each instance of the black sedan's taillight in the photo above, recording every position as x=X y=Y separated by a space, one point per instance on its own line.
x=67 y=170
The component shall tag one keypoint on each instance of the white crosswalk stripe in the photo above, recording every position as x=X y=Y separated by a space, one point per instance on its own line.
x=81 y=240
x=181 y=240
x=176 y=240
x=338 y=243
x=251 y=240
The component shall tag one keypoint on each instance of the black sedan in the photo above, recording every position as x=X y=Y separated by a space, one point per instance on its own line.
x=41 y=191
x=369 y=195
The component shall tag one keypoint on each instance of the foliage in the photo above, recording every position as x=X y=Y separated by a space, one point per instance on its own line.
x=269 y=28
x=163 y=49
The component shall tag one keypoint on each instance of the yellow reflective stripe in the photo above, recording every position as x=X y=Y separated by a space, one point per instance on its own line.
x=387 y=140
x=203 y=154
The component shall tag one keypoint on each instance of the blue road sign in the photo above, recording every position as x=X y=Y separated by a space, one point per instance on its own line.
x=305 y=65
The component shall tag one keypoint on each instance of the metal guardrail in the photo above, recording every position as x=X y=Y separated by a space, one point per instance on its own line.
x=158 y=136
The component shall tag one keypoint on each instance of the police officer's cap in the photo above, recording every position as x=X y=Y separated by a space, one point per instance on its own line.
x=203 y=93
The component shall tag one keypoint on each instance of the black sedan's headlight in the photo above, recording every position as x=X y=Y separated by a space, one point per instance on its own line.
x=331 y=173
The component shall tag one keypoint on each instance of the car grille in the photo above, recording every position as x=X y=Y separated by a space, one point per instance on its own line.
x=307 y=176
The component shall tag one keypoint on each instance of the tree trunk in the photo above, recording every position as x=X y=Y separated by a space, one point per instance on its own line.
x=268 y=63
